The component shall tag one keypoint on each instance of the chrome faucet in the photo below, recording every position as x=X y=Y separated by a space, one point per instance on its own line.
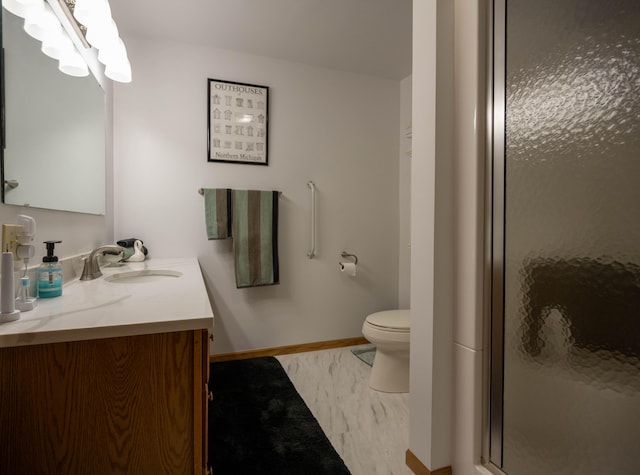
x=91 y=268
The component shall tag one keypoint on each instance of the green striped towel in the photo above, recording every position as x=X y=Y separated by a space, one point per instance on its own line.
x=217 y=212
x=255 y=237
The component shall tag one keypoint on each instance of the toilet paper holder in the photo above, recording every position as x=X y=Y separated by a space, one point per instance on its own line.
x=352 y=256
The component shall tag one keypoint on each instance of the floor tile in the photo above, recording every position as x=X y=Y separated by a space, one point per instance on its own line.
x=369 y=429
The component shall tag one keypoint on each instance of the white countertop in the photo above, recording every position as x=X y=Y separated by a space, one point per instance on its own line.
x=100 y=309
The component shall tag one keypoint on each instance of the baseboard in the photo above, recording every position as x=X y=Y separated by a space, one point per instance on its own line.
x=286 y=350
x=418 y=468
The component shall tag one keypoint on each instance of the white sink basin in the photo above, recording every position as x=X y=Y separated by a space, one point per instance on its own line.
x=142 y=276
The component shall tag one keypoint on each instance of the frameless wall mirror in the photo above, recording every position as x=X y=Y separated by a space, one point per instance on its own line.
x=54 y=153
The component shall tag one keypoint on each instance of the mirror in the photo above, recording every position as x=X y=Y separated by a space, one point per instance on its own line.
x=54 y=127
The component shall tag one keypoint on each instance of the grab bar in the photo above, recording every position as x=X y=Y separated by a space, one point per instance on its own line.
x=312 y=252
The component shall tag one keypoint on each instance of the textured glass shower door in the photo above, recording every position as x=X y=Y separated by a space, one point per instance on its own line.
x=565 y=395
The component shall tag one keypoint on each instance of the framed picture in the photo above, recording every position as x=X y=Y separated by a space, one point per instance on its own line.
x=237 y=123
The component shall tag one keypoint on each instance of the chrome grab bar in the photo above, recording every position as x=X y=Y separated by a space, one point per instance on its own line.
x=312 y=252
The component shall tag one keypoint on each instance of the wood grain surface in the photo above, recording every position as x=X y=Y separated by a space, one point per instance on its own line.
x=111 y=406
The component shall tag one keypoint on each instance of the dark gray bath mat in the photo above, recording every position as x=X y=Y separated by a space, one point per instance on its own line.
x=365 y=354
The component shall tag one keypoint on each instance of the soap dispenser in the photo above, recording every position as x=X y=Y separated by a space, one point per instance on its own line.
x=49 y=274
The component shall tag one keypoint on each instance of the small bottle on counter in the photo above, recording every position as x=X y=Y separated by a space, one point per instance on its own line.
x=49 y=274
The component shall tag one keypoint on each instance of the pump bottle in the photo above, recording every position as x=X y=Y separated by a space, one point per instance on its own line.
x=49 y=274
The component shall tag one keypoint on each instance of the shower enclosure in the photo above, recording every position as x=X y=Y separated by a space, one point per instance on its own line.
x=565 y=365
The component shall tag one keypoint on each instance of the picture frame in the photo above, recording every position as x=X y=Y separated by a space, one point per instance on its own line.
x=237 y=122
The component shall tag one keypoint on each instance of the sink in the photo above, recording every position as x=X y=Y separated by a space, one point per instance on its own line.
x=142 y=276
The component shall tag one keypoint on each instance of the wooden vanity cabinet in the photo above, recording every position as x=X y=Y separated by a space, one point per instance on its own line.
x=132 y=404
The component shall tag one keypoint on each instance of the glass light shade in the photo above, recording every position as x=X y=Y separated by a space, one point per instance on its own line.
x=73 y=64
x=15 y=7
x=40 y=19
x=91 y=12
x=56 y=43
x=82 y=10
x=102 y=33
x=113 y=52
x=20 y=7
x=119 y=71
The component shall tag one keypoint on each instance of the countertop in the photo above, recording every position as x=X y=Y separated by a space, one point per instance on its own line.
x=100 y=309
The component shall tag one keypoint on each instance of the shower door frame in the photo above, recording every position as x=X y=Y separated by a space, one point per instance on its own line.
x=495 y=226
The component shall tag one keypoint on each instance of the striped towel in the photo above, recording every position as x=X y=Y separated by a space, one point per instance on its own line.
x=255 y=237
x=217 y=212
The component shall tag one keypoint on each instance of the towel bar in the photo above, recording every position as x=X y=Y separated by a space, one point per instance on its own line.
x=201 y=191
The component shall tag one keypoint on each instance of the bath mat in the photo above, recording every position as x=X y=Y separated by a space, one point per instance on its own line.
x=259 y=424
x=366 y=354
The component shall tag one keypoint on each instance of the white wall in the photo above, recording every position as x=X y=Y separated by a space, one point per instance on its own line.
x=78 y=232
x=422 y=229
x=404 y=171
x=447 y=404
x=432 y=204
x=337 y=129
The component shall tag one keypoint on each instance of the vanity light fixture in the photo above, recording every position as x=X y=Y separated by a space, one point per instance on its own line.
x=102 y=34
x=90 y=16
x=43 y=25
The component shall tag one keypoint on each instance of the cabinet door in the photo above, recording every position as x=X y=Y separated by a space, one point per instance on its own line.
x=109 y=406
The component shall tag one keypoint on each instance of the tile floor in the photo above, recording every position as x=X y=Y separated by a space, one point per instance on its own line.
x=369 y=429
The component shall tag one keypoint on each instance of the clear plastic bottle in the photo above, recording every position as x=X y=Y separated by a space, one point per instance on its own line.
x=23 y=301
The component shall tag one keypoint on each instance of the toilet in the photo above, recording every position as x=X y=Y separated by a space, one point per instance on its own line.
x=389 y=332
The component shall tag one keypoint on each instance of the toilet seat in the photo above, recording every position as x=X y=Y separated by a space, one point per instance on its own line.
x=390 y=320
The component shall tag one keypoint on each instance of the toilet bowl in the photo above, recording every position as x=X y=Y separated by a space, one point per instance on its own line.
x=389 y=332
